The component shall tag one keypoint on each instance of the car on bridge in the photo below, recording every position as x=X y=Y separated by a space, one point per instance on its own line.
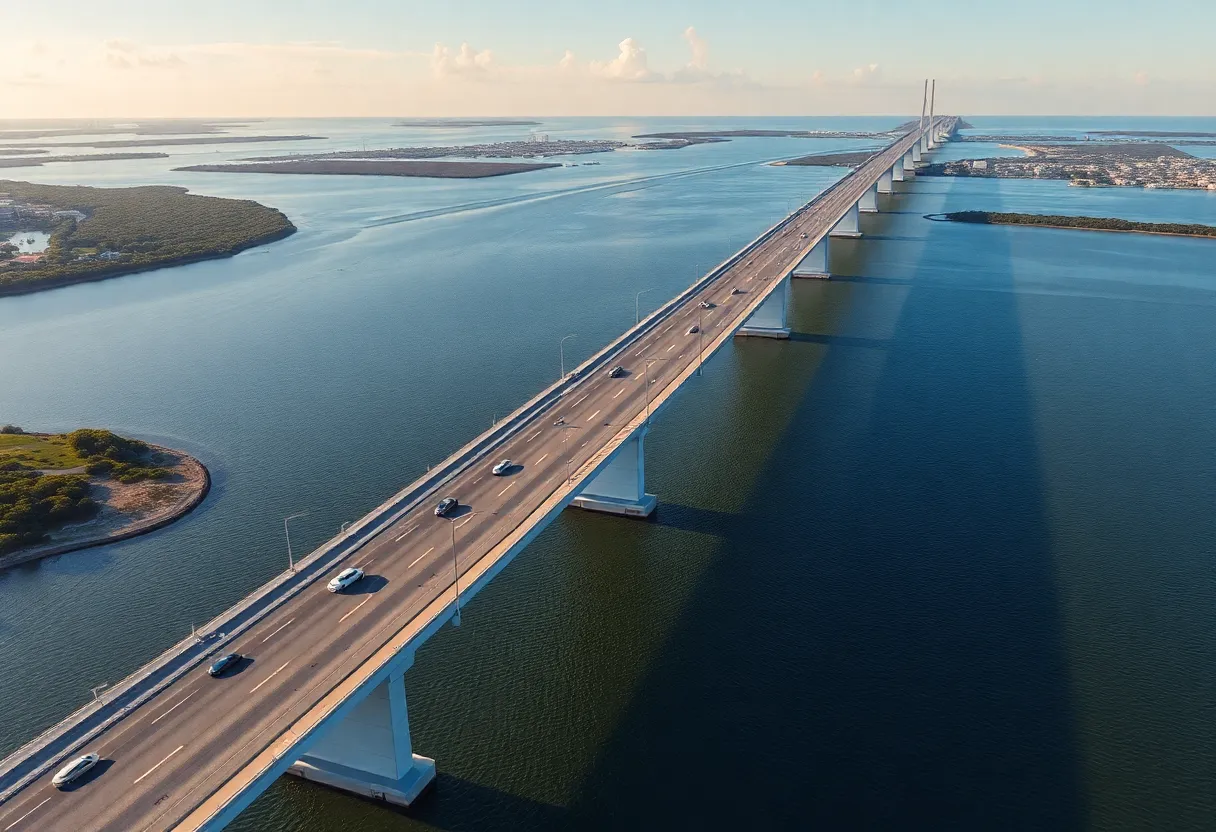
x=616 y=372
x=224 y=664
x=694 y=329
x=502 y=468
x=73 y=771
x=446 y=506
x=345 y=578
x=706 y=305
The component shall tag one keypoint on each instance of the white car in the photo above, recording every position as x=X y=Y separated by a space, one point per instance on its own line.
x=502 y=468
x=74 y=770
x=345 y=578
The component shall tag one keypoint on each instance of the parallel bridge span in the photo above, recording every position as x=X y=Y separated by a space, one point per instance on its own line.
x=323 y=695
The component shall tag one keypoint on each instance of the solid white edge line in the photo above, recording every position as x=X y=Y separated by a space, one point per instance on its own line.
x=271 y=676
x=158 y=765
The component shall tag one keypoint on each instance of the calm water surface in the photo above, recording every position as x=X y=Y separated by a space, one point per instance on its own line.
x=942 y=560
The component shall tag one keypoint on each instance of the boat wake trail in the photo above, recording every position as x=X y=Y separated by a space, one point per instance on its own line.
x=623 y=184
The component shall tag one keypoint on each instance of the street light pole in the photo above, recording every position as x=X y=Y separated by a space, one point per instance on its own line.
x=637 y=315
x=291 y=563
x=561 y=351
x=455 y=575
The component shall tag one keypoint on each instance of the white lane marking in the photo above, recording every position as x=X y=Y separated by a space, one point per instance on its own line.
x=420 y=557
x=584 y=396
x=470 y=517
x=407 y=534
x=281 y=626
x=158 y=765
x=592 y=416
x=343 y=618
x=533 y=436
x=505 y=490
x=276 y=673
x=180 y=701
x=622 y=390
x=364 y=565
x=669 y=349
x=542 y=459
x=26 y=815
x=479 y=479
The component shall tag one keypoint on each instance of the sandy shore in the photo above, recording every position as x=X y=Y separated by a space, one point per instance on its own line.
x=386 y=167
x=128 y=510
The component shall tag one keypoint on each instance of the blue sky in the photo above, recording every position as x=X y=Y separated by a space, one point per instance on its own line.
x=373 y=57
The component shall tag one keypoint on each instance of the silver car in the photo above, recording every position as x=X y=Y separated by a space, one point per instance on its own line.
x=74 y=770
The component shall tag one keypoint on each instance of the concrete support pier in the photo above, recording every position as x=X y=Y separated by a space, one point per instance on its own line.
x=909 y=164
x=620 y=486
x=368 y=752
x=869 y=200
x=815 y=263
x=850 y=224
x=897 y=171
x=769 y=319
x=885 y=183
x=915 y=153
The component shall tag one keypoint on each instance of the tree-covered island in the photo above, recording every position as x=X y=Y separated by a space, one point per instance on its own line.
x=1083 y=223
x=97 y=233
x=67 y=491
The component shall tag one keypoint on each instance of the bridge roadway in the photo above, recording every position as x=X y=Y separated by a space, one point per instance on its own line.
x=200 y=741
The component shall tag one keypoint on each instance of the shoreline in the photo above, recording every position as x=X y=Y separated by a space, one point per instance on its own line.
x=945 y=218
x=153 y=521
x=16 y=289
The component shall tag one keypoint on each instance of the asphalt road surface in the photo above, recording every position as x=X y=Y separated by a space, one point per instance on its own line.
x=171 y=754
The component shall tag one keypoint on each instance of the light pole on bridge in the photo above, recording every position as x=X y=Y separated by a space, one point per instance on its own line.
x=637 y=315
x=561 y=352
x=291 y=563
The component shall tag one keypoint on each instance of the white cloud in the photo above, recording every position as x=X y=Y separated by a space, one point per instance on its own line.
x=700 y=49
x=866 y=73
x=629 y=65
x=467 y=61
x=123 y=54
x=567 y=62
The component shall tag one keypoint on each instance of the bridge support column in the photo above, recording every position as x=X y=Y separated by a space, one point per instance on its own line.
x=769 y=319
x=885 y=183
x=815 y=264
x=909 y=164
x=915 y=153
x=849 y=225
x=620 y=486
x=897 y=171
x=369 y=751
x=869 y=200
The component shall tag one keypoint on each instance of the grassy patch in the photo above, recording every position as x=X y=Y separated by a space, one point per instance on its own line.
x=39 y=452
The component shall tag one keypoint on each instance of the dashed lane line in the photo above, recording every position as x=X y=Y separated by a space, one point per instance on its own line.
x=276 y=673
x=420 y=557
x=161 y=763
x=340 y=620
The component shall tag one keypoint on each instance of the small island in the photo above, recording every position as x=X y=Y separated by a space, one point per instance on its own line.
x=464 y=122
x=62 y=492
x=830 y=160
x=31 y=161
x=378 y=167
x=96 y=233
x=1172 y=229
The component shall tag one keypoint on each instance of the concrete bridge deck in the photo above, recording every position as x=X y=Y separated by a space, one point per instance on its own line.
x=198 y=750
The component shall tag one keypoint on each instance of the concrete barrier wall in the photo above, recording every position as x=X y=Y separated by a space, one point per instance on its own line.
x=37 y=756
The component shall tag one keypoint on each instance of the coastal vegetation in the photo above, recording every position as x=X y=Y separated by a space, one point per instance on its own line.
x=30 y=161
x=841 y=160
x=45 y=479
x=130 y=229
x=379 y=167
x=1086 y=223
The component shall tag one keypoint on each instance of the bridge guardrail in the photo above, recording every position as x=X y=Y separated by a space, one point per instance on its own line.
x=34 y=758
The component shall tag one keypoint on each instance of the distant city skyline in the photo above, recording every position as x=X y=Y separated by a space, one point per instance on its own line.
x=133 y=58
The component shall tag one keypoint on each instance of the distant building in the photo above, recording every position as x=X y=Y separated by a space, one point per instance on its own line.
x=980 y=164
x=76 y=215
x=109 y=255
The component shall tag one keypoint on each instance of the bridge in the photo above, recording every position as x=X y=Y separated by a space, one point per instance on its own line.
x=322 y=694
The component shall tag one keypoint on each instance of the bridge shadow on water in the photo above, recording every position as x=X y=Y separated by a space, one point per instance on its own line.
x=879 y=643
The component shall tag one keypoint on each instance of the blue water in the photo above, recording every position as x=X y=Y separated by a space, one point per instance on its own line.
x=943 y=560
